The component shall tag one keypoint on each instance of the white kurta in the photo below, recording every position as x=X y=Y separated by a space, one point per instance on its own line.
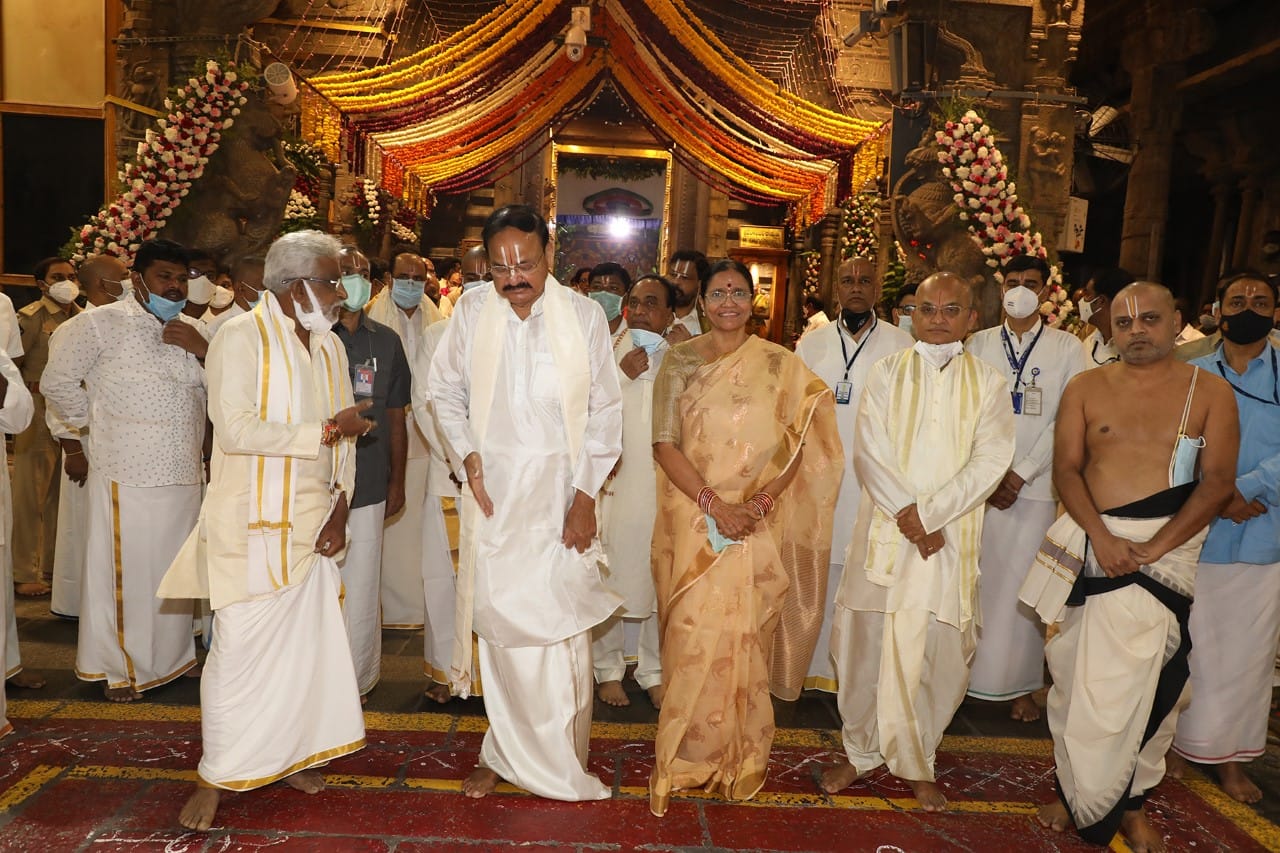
x=403 y=606
x=534 y=599
x=1098 y=352
x=1009 y=661
x=822 y=353
x=360 y=592
x=941 y=440
x=16 y=410
x=68 y=552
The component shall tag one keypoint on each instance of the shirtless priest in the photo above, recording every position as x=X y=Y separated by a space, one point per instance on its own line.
x=1139 y=502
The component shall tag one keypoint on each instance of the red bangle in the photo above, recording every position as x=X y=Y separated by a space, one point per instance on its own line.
x=330 y=433
x=762 y=502
x=705 y=496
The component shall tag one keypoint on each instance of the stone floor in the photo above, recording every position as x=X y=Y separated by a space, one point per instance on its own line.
x=81 y=775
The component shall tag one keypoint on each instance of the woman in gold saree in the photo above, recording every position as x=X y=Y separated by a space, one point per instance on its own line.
x=738 y=618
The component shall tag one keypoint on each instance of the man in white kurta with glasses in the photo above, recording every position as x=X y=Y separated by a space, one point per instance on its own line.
x=526 y=392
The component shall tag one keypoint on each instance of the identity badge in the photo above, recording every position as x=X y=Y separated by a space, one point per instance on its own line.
x=363 y=385
x=844 y=392
x=1033 y=401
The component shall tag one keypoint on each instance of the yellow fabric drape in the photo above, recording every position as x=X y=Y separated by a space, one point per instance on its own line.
x=741 y=623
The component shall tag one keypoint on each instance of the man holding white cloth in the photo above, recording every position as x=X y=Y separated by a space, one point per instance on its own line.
x=526 y=392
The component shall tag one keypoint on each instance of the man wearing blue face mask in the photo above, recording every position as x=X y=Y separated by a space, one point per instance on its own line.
x=629 y=499
x=407 y=310
x=247 y=287
x=608 y=284
x=129 y=377
x=379 y=372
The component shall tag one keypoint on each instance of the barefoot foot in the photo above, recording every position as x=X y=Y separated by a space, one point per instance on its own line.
x=1025 y=709
x=1141 y=835
x=1237 y=785
x=928 y=795
x=34 y=589
x=121 y=694
x=27 y=680
x=194 y=672
x=836 y=777
x=198 y=813
x=611 y=693
x=482 y=781
x=306 y=781
x=1175 y=766
x=438 y=693
x=657 y=693
x=1054 y=816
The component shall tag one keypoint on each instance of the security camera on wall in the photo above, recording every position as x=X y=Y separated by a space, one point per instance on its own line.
x=575 y=38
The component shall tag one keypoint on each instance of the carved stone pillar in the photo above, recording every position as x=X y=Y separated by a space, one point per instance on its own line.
x=1217 y=237
x=828 y=239
x=1250 y=192
x=793 y=322
x=717 y=235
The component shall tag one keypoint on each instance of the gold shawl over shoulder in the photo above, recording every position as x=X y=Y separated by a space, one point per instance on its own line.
x=738 y=624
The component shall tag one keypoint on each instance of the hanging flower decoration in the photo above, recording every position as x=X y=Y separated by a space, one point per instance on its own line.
x=299 y=213
x=858 y=226
x=985 y=194
x=812 y=273
x=402 y=234
x=1058 y=311
x=170 y=159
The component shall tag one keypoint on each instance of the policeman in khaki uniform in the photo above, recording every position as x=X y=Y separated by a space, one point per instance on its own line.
x=35 y=452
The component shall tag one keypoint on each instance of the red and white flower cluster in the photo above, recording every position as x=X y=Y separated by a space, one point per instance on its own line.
x=1058 y=310
x=169 y=160
x=987 y=197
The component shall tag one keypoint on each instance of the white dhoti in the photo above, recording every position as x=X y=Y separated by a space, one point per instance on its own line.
x=68 y=553
x=439 y=588
x=278 y=693
x=11 y=657
x=538 y=701
x=1119 y=670
x=128 y=637
x=609 y=649
x=1235 y=626
x=822 y=666
x=360 y=572
x=897 y=698
x=1009 y=661
x=402 y=557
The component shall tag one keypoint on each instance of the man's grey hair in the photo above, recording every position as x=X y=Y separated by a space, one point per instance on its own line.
x=291 y=256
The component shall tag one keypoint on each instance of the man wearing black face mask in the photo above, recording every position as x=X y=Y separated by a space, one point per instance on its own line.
x=1235 y=620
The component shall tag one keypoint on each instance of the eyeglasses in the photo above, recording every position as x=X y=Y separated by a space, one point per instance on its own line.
x=951 y=311
x=906 y=309
x=194 y=273
x=331 y=282
x=503 y=272
x=739 y=295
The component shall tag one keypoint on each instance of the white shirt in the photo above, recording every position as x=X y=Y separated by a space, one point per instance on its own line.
x=1058 y=357
x=141 y=400
x=1188 y=334
x=215 y=322
x=690 y=321
x=1098 y=352
x=817 y=321
x=10 y=334
x=821 y=352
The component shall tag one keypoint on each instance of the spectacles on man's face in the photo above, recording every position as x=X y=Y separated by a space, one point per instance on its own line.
x=738 y=295
x=906 y=309
x=329 y=282
x=951 y=310
x=502 y=272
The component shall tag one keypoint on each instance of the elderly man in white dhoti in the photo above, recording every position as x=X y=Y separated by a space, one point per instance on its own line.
x=526 y=392
x=16 y=410
x=439 y=580
x=1123 y=560
x=279 y=694
x=842 y=353
x=408 y=310
x=129 y=377
x=935 y=435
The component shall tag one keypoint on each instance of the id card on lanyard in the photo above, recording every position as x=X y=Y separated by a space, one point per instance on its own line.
x=362 y=378
x=844 y=388
x=1029 y=401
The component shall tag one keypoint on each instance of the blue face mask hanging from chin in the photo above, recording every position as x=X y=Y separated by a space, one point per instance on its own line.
x=164 y=309
x=646 y=340
x=610 y=302
x=406 y=292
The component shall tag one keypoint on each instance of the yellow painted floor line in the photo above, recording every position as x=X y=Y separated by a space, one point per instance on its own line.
x=1259 y=828
x=36 y=779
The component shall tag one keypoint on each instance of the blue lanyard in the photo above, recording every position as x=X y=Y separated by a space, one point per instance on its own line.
x=844 y=351
x=1275 y=374
x=1015 y=364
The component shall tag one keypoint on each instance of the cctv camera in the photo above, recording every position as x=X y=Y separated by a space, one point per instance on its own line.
x=575 y=42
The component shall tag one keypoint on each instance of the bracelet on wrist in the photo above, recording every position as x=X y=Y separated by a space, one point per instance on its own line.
x=706 y=496
x=74 y=452
x=330 y=433
x=762 y=502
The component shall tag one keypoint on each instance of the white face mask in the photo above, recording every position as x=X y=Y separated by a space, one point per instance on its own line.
x=939 y=354
x=64 y=292
x=904 y=323
x=222 y=297
x=1086 y=309
x=200 y=290
x=314 y=320
x=1021 y=302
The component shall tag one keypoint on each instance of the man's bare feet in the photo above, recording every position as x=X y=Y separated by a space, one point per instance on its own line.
x=481 y=782
x=306 y=781
x=611 y=693
x=34 y=589
x=1175 y=766
x=928 y=795
x=438 y=693
x=1025 y=709
x=836 y=777
x=1140 y=834
x=200 y=809
x=657 y=693
x=27 y=680
x=194 y=672
x=1054 y=816
x=1237 y=785
x=121 y=694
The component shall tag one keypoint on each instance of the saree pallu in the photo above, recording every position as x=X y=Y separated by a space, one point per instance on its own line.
x=742 y=623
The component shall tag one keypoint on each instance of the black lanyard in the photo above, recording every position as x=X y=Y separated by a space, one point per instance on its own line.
x=844 y=351
x=1017 y=365
x=1275 y=384
x=1111 y=360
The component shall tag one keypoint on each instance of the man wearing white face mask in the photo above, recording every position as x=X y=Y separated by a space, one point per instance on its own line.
x=200 y=286
x=1095 y=309
x=408 y=311
x=607 y=286
x=35 y=453
x=1037 y=362
x=246 y=288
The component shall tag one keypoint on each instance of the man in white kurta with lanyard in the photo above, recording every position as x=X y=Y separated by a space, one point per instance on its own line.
x=1037 y=362
x=841 y=353
x=278 y=695
x=629 y=500
x=405 y=307
x=935 y=435
x=526 y=391
x=16 y=409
